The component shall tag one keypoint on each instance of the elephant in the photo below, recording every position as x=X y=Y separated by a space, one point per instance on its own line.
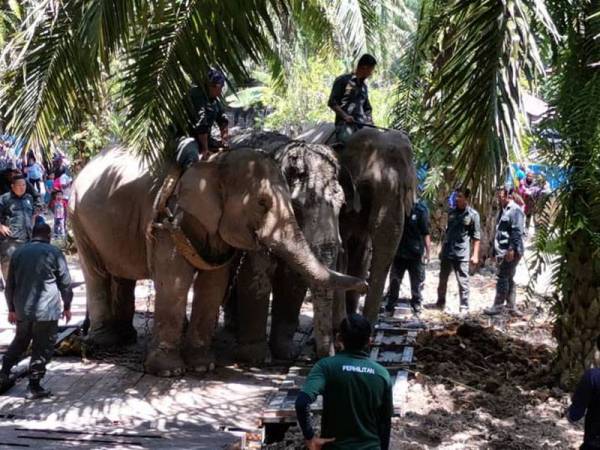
x=312 y=173
x=381 y=189
x=236 y=200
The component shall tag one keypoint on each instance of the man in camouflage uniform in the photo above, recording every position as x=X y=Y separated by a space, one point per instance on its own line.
x=206 y=110
x=349 y=99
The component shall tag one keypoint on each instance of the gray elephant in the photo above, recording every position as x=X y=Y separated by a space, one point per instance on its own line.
x=381 y=187
x=238 y=200
x=312 y=173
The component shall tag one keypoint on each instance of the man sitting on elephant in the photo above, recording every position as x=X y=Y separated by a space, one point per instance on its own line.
x=206 y=110
x=349 y=99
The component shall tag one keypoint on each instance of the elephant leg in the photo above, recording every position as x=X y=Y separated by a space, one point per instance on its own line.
x=253 y=289
x=101 y=321
x=209 y=291
x=289 y=290
x=385 y=237
x=358 y=263
x=173 y=277
x=123 y=308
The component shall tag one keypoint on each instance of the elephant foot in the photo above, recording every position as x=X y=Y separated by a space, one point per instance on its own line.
x=112 y=334
x=287 y=351
x=199 y=360
x=253 y=353
x=164 y=362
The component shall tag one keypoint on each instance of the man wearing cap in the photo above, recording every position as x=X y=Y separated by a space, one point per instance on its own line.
x=349 y=99
x=205 y=109
x=38 y=279
x=17 y=211
x=508 y=249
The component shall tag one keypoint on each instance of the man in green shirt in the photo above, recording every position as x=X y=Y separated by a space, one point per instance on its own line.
x=357 y=395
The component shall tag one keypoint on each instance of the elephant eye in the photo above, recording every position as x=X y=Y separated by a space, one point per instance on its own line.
x=264 y=202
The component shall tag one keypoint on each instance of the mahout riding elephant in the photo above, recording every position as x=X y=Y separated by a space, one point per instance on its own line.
x=380 y=190
x=237 y=200
x=312 y=173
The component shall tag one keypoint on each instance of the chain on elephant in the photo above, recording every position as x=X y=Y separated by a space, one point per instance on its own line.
x=132 y=356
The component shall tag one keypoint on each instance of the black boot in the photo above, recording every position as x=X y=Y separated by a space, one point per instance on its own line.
x=5 y=382
x=392 y=296
x=36 y=390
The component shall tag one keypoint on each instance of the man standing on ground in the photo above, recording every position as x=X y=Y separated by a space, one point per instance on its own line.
x=349 y=99
x=508 y=249
x=586 y=401
x=412 y=255
x=38 y=278
x=17 y=209
x=463 y=227
x=207 y=110
x=357 y=395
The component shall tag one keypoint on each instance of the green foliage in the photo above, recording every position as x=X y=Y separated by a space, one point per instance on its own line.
x=467 y=64
x=568 y=239
x=61 y=50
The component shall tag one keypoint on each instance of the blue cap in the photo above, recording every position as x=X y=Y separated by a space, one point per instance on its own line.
x=215 y=76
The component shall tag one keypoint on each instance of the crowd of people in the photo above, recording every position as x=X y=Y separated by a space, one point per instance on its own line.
x=48 y=184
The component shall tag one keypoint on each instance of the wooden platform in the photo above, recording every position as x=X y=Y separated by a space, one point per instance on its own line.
x=392 y=347
x=98 y=405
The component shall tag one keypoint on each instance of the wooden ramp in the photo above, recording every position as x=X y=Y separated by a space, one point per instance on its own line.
x=393 y=347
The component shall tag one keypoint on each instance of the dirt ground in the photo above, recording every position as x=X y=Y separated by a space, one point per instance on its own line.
x=481 y=382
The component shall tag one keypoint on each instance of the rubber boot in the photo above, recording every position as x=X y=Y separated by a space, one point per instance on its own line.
x=36 y=391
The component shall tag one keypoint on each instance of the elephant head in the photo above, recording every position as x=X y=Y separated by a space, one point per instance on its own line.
x=242 y=197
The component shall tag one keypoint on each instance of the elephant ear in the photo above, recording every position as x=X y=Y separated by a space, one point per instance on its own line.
x=199 y=194
x=350 y=192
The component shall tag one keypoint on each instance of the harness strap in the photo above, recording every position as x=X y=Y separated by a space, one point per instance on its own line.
x=172 y=223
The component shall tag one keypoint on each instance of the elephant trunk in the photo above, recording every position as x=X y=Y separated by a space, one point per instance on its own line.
x=288 y=243
x=385 y=238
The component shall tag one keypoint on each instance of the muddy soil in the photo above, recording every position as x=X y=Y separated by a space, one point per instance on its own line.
x=475 y=386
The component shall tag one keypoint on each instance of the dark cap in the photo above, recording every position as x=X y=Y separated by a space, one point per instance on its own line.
x=215 y=76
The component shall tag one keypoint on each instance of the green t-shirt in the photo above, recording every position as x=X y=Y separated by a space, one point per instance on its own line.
x=357 y=396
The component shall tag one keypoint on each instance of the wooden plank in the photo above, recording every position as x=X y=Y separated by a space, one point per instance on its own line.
x=399 y=392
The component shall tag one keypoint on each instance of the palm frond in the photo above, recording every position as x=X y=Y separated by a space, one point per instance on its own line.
x=181 y=45
x=51 y=76
x=477 y=111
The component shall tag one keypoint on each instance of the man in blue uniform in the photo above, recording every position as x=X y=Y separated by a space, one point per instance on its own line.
x=415 y=246
x=508 y=249
x=463 y=227
x=206 y=110
x=349 y=99
x=17 y=209
x=357 y=395
x=586 y=401
x=37 y=280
